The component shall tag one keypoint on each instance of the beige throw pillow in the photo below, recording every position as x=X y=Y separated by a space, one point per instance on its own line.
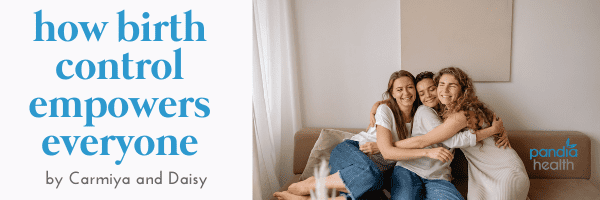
x=327 y=141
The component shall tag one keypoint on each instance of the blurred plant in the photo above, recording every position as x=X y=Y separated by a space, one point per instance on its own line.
x=320 y=192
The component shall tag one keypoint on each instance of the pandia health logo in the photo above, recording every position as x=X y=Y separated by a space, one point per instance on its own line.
x=561 y=164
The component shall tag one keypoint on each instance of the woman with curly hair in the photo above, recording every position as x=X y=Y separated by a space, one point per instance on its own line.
x=494 y=173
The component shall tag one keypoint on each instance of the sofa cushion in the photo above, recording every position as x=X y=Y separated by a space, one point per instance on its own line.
x=304 y=141
x=576 y=189
x=327 y=141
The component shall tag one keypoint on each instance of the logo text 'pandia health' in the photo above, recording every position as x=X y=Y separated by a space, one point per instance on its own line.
x=566 y=151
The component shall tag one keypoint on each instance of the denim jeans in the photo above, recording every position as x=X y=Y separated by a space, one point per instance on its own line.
x=360 y=174
x=406 y=185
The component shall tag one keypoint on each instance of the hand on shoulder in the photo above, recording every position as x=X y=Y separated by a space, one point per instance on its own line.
x=373 y=111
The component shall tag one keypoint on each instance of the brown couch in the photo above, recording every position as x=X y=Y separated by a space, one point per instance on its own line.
x=546 y=183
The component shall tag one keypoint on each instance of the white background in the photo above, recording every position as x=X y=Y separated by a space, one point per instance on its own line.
x=217 y=69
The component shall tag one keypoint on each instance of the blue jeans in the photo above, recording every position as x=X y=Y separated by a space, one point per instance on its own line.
x=407 y=185
x=360 y=174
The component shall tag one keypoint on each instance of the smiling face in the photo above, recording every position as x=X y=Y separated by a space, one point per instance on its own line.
x=428 y=92
x=448 y=89
x=403 y=90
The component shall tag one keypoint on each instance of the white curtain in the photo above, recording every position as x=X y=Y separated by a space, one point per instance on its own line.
x=276 y=106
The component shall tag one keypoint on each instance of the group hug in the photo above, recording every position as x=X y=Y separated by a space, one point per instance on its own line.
x=410 y=142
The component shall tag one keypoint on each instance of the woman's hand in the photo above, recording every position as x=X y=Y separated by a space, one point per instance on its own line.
x=440 y=153
x=502 y=140
x=498 y=125
x=370 y=148
x=372 y=114
x=371 y=121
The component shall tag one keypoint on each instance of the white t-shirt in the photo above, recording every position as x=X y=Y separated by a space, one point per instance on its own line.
x=425 y=120
x=384 y=117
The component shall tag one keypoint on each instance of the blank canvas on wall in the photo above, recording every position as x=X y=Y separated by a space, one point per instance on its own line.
x=474 y=35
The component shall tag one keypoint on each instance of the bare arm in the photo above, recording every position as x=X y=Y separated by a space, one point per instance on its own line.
x=446 y=130
x=499 y=133
x=389 y=152
x=497 y=127
x=371 y=148
x=463 y=139
x=469 y=137
x=373 y=112
x=486 y=132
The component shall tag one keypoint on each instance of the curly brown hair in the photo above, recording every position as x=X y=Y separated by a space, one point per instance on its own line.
x=476 y=111
x=391 y=102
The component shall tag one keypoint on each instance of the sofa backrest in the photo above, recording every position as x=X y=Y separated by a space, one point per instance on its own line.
x=553 y=154
x=545 y=154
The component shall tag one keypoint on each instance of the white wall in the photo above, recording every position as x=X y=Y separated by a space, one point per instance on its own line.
x=346 y=51
x=348 y=48
x=555 y=73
